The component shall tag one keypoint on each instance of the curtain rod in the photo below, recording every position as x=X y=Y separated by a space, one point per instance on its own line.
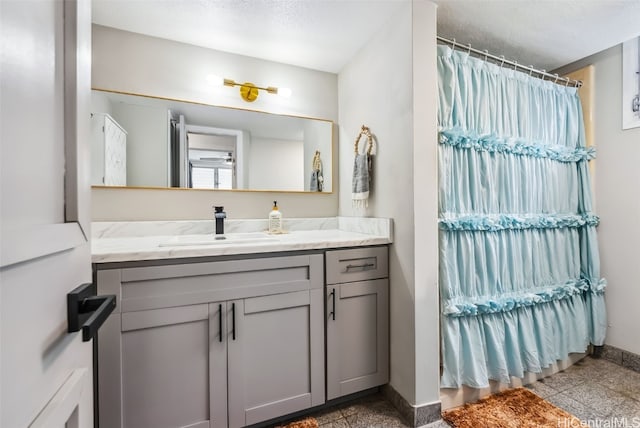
x=486 y=55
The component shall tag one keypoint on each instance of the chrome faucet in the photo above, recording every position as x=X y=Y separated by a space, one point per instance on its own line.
x=220 y=215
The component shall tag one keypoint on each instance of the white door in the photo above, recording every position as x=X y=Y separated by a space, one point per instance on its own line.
x=46 y=373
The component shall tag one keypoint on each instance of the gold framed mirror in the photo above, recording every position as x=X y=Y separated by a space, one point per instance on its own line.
x=154 y=142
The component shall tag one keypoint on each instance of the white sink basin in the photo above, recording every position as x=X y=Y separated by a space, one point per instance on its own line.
x=229 y=239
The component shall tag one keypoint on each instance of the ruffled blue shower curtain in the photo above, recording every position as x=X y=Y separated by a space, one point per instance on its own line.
x=519 y=267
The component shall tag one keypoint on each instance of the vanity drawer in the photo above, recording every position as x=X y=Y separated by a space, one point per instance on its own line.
x=357 y=264
x=156 y=287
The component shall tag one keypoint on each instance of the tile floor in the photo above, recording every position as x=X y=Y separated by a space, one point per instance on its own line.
x=597 y=391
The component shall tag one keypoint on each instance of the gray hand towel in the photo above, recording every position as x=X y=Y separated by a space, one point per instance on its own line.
x=361 y=179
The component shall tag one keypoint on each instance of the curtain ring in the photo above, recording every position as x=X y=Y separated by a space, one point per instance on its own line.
x=515 y=65
x=567 y=82
x=469 y=49
x=530 y=69
x=486 y=55
x=556 y=81
x=453 y=43
x=502 y=62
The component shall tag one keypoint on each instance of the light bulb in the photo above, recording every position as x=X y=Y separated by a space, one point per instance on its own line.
x=215 y=80
x=284 y=92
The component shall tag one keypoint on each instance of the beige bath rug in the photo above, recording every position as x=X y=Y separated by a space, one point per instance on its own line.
x=513 y=408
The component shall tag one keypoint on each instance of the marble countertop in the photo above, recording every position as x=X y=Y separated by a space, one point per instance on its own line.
x=136 y=241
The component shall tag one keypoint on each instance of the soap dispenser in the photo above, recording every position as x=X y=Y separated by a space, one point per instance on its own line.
x=275 y=219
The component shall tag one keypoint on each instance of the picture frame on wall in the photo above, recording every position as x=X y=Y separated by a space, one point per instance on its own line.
x=631 y=84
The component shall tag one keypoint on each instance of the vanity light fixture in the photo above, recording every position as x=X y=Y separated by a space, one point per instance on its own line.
x=249 y=91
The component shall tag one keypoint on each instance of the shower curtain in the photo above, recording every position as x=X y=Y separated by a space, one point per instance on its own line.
x=519 y=267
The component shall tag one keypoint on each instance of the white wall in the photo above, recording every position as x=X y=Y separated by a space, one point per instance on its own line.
x=147 y=145
x=618 y=199
x=130 y=62
x=390 y=86
x=276 y=164
x=100 y=103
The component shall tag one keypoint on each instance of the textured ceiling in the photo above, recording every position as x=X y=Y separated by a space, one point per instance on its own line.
x=317 y=34
x=547 y=34
x=325 y=34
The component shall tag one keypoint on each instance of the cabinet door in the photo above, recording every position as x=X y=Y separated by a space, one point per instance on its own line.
x=276 y=356
x=167 y=367
x=357 y=336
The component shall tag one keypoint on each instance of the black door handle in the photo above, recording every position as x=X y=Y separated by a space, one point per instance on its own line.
x=233 y=321
x=220 y=321
x=86 y=311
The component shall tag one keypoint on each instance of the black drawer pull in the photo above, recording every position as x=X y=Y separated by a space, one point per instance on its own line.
x=364 y=266
x=87 y=312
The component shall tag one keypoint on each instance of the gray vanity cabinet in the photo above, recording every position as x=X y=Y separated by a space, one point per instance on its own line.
x=216 y=344
x=357 y=314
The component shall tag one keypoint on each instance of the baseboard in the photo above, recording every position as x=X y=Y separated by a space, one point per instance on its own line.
x=414 y=416
x=621 y=357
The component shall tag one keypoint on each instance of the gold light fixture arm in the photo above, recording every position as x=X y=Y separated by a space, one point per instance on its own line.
x=249 y=91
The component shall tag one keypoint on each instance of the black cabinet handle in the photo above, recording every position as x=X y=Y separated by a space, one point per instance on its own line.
x=333 y=304
x=233 y=321
x=220 y=320
x=86 y=311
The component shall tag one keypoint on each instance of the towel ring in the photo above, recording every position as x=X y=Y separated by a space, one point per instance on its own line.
x=364 y=131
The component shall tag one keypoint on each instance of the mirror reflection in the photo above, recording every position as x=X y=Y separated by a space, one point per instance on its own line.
x=155 y=142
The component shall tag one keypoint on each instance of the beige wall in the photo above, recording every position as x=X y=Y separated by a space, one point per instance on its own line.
x=390 y=86
x=618 y=199
x=113 y=204
x=140 y=64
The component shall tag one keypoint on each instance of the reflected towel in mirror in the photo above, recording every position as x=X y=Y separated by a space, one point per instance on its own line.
x=317 y=178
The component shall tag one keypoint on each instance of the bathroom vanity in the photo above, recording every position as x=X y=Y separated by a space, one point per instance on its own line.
x=232 y=334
